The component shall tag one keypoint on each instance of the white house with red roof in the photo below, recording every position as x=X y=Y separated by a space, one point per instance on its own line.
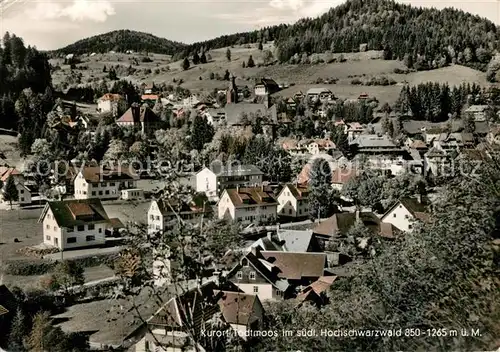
x=111 y=103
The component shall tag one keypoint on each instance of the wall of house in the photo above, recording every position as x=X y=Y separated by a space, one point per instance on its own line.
x=101 y=190
x=260 y=90
x=224 y=182
x=155 y=218
x=255 y=213
x=399 y=217
x=86 y=237
x=289 y=206
x=206 y=182
x=224 y=205
x=161 y=272
x=130 y=194
x=264 y=290
x=51 y=231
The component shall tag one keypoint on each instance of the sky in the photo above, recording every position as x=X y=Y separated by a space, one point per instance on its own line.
x=53 y=24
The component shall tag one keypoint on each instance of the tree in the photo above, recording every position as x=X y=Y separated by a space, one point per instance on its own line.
x=67 y=274
x=261 y=46
x=196 y=58
x=10 y=193
x=250 y=62
x=388 y=126
x=227 y=75
x=243 y=64
x=228 y=54
x=203 y=58
x=37 y=339
x=185 y=64
x=201 y=133
x=320 y=197
x=112 y=76
x=117 y=150
x=268 y=57
x=18 y=332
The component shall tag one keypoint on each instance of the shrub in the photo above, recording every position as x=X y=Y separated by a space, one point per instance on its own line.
x=356 y=81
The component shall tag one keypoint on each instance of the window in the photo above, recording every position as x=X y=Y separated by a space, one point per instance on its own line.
x=100 y=193
x=157 y=217
x=394 y=215
x=90 y=238
x=239 y=275
x=100 y=230
x=47 y=226
x=55 y=228
x=81 y=228
x=410 y=227
x=47 y=238
x=70 y=229
x=112 y=184
x=93 y=193
x=91 y=227
x=71 y=240
x=256 y=289
x=289 y=211
x=244 y=262
x=279 y=293
x=107 y=192
x=21 y=191
x=22 y=199
x=252 y=275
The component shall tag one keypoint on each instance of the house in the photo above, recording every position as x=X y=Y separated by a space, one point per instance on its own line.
x=111 y=103
x=162 y=213
x=273 y=275
x=318 y=146
x=150 y=99
x=265 y=86
x=132 y=194
x=316 y=292
x=341 y=176
x=242 y=311
x=319 y=94
x=23 y=193
x=375 y=144
x=103 y=183
x=293 y=202
x=179 y=323
x=247 y=205
x=212 y=181
x=405 y=212
x=288 y=241
x=477 y=112
x=436 y=160
x=74 y=223
x=148 y=88
x=454 y=141
x=353 y=130
x=141 y=117
x=214 y=116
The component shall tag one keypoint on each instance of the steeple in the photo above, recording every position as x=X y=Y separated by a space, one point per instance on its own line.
x=232 y=92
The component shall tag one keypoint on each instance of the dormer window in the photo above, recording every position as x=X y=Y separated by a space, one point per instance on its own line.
x=244 y=262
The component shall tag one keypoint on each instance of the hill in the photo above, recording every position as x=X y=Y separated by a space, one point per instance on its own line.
x=121 y=41
x=426 y=37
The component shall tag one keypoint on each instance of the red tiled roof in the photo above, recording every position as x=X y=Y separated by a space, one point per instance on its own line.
x=112 y=97
x=253 y=195
x=5 y=172
x=150 y=97
x=237 y=307
x=80 y=209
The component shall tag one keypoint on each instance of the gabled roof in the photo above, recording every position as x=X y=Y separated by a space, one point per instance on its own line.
x=343 y=175
x=267 y=82
x=416 y=208
x=149 y=97
x=295 y=240
x=111 y=97
x=250 y=196
x=342 y=222
x=373 y=141
x=298 y=191
x=296 y=265
x=145 y=115
x=69 y=213
x=169 y=206
x=319 y=286
x=5 y=172
x=96 y=174
x=238 y=308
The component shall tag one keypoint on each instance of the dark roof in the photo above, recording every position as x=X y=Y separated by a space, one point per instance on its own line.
x=250 y=196
x=238 y=308
x=294 y=265
x=342 y=222
x=97 y=174
x=267 y=82
x=68 y=213
x=145 y=114
x=7 y=300
x=116 y=223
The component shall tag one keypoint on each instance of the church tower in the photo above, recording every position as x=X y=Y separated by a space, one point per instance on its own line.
x=232 y=92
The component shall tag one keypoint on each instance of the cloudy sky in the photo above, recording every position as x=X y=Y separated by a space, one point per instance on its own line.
x=52 y=24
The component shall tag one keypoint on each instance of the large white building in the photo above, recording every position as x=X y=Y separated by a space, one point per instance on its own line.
x=293 y=202
x=247 y=205
x=103 y=183
x=212 y=181
x=74 y=223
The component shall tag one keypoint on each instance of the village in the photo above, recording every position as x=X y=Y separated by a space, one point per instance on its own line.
x=359 y=182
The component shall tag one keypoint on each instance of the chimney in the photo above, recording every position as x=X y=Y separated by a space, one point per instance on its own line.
x=357 y=215
x=237 y=188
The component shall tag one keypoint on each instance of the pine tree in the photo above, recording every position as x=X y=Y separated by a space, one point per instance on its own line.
x=41 y=328
x=226 y=75
x=10 y=193
x=228 y=54
x=196 y=58
x=185 y=64
x=250 y=62
x=17 y=332
x=261 y=46
x=203 y=58
x=201 y=133
x=320 y=196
